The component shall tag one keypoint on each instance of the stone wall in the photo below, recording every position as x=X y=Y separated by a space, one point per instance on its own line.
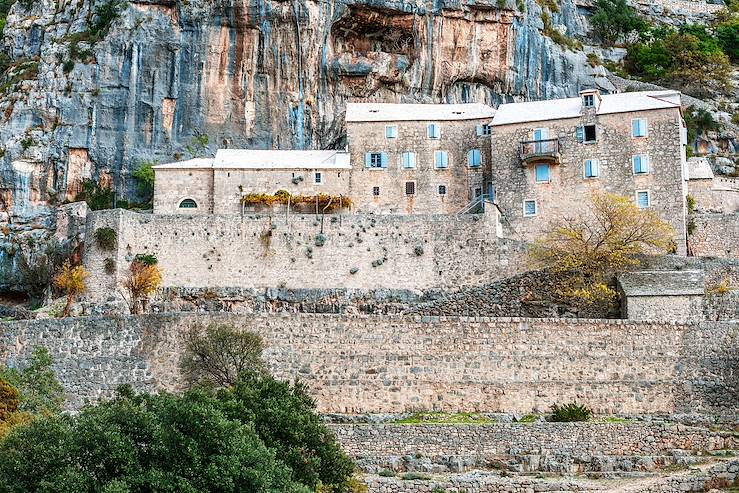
x=567 y=448
x=715 y=235
x=303 y=251
x=568 y=191
x=461 y=181
x=357 y=364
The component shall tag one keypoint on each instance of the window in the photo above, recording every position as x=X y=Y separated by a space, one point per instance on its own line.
x=441 y=159
x=434 y=131
x=410 y=188
x=484 y=129
x=391 y=131
x=474 y=159
x=188 y=204
x=529 y=208
x=591 y=168
x=442 y=189
x=408 y=159
x=639 y=127
x=641 y=164
x=478 y=192
x=642 y=199
x=588 y=101
x=376 y=191
x=542 y=173
x=586 y=134
x=317 y=178
x=375 y=160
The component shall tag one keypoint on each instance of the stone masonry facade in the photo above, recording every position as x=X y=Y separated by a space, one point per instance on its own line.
x=393 y=364
x=461 y=183
x=567 y=192
x=302 y=251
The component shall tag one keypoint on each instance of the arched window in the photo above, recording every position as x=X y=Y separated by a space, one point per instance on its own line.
x=188 y=204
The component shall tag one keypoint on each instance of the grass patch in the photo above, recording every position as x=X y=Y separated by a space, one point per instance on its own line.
x=415 y=475
x=528 y=419
x=617 y=420
x=445 y=418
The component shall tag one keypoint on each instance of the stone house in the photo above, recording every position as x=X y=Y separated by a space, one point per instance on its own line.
x=417 y=158
x=711 y=193
x=549 y=156
x=662 y=295
x=216 y=185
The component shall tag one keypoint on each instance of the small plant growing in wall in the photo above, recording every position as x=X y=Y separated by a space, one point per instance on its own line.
x=143 y=280
x=109 y=266
x=71 y=280
x=570 y=412
x=106 y=238
x=146 y=259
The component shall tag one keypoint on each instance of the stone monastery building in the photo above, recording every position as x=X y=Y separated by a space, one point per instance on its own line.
x=537 y=161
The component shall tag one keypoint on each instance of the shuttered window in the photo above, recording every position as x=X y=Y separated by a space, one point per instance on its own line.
x=375 y=160
x=529 y=207
x=639 y=127
x=641 y=164
x=441 y=159
x=391 y=131
x=542 y=173
x=642 y=199
x=591 y=168
x=474 y=158
x=408 y=159
x=434 y=132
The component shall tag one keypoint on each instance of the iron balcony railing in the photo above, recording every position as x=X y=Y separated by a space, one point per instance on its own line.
x=539 y=149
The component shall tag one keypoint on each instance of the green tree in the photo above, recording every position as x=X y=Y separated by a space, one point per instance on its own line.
x=614 y=19
x=159 y=443
x=144 y=176
x=728 y=35
x=40 y=390
x=699 y=122
x=284 y=416
x=216 y=354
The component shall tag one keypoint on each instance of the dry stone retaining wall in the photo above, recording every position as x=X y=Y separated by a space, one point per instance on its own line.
x=715 y=235
x=358 y=364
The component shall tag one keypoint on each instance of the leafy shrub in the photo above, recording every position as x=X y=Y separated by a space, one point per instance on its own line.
x=9 y=399
x=36 y=268
x=614 y=19
x=146 y=259
x=690 y=201
x=570 y=412
x=143 y=280
x=158 y=443
x=40 y=393
x=106 y=238
x=144 y=176
x=216 y=354
x=109 y=266
x=699 y=122
x=387 y=473
x=97 y=195
x=728 y=36
x=71 y=281
x=105 y=16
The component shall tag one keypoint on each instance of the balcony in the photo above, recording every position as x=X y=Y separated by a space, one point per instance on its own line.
x=539 y=151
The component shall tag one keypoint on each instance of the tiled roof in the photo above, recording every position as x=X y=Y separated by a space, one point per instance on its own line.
x=391 y=112
x=556 y=109
x=266 y=159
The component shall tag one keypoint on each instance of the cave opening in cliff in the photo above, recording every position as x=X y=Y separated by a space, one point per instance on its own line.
x=363 y=30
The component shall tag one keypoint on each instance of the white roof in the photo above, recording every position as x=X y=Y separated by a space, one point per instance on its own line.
x=699 y=169
x=391 y=112
x=266 y=159
x=555 y=109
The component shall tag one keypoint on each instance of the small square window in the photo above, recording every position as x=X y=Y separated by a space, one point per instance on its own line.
x=408 y=160
x=588 y=100
x=478 y=192
x=591 y=168
x=410 y=188
x=317 y=178
x=391 y=131
x=639 y=127
x=642 y=199
x=542 y=173
x=529 y=208
x=441 y=159
x=442 y=189
x=589 y=133
x=376 y=191
x=487 y=129
x=434 y=131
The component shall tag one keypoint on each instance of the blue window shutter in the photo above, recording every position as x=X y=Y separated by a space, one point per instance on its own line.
x=445 y=158
x=478 y=130
x=368 y=160
x=478 y=157
x=645 y=164
x=471 y=157
x=412 y=159
x=383 y=160
x=542 y=172
x=637 y=164
x=588 y=168
x=406 y=159
x=580 y=134
x=635 y=128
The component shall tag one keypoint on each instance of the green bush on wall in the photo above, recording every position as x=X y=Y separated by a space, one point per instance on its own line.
x=570 y=412
x=106 y=238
